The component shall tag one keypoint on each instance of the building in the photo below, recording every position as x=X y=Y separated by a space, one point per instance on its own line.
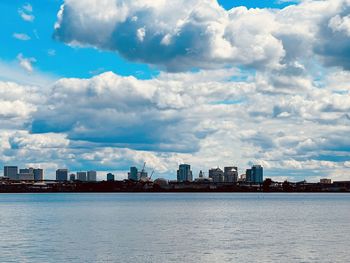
x=133 y=174
x=230 y=174
x=81 y=176
x=38 y=174
x=217 y=175
x=91 y=176
x=62 y=175
x=26 y=174
x=325 y=181
x=11 y=172
x=254 y=175
x=72 y=177
x=110 y=177
x=184 y=174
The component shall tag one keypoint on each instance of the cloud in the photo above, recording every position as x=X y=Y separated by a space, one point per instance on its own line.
x=26 y=63
x=21 y=36
x=26 y=12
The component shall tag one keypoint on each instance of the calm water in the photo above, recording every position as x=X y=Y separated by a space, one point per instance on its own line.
x=175 y=228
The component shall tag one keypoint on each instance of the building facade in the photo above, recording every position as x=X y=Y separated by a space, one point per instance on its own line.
x=133 y=175
x=184 y=174
x=62 y=175
x=81 y=176
x=38 y=174
x=110 y=177
x=11 y=172
x=217 y=175
x=230 y=174
x=91 y=176
x=255 y=175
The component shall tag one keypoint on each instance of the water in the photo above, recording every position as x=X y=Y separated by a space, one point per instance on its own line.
x=175 y=227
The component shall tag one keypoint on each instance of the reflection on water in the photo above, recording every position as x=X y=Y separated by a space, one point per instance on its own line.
x=175 y=227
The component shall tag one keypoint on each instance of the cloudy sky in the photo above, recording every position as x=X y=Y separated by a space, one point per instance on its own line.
x=107 y=84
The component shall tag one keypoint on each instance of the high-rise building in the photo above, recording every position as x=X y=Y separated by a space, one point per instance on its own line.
x=62 y=175
x=217 y=175
x=38 y=174
x=248 y=176
x=11 y=172
x=110 y=177
x=91 y=176
x=81 y=176
x=257 y=173
x=184 y=174
x=26 y=174
x=72 y=177
x=133 y=174
x=231 y=174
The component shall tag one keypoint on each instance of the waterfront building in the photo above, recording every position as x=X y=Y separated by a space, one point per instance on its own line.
x=81 y=176
x=133 y=174
x=110 y=177
x=26 y=174
x=91 y=176
x=255 y=174
x=217 y=175
x=325 y=181
x=230 y=174
x=11 y=172
x=38 y=174
x=184 y=174
x=72 y=177
x=62 y=175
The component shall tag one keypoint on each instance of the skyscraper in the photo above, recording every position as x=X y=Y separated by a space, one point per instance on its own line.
x=110 y=177
x=11 y=172
x=231 y=174
x=38 y=174
x=184 y=174
x=81 y=176
x=91 y=176
x=133 y=174
x=217 y=175
x=257 y=173
x=62 y=175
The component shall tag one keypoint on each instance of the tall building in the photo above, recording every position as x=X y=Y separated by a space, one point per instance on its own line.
x=231 y=174
x=62 y=175
x=217 y=175
x=81 y=176
x=254 y=175
x=11 y=172
x=72 y=177
x=91 y=176
x=26 y=174
x=257 y=173
x=38 y=174
x=184 y=174
x=110 y=177
x=133 y=174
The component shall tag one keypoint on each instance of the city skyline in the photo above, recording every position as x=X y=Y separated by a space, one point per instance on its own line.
x=103 y=87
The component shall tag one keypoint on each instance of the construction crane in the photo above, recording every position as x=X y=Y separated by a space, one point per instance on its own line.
x=151 y=174
x=143 y=168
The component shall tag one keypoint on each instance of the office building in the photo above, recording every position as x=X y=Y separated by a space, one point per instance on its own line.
x=81 y=176
x=134 y=174
x=184 y=174
x=72 y=177
x=325 y=181
x=62 y=175
x=38 y=174
x=217 y=175
x=26 y=174
x=110 y=177
x=91 y=176
x=255 y=174
x=11 y=172
x=230 y=174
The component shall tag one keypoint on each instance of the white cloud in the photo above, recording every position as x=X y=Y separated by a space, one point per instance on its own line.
x=26 y=12
x=21 y=36
x=26 y=63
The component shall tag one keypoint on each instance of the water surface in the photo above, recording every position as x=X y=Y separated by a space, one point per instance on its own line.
x=196 y=227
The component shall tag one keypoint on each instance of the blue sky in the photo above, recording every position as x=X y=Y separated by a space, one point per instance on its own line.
x=109 y=85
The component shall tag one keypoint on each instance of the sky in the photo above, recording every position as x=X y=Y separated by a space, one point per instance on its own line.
x=110 y=84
